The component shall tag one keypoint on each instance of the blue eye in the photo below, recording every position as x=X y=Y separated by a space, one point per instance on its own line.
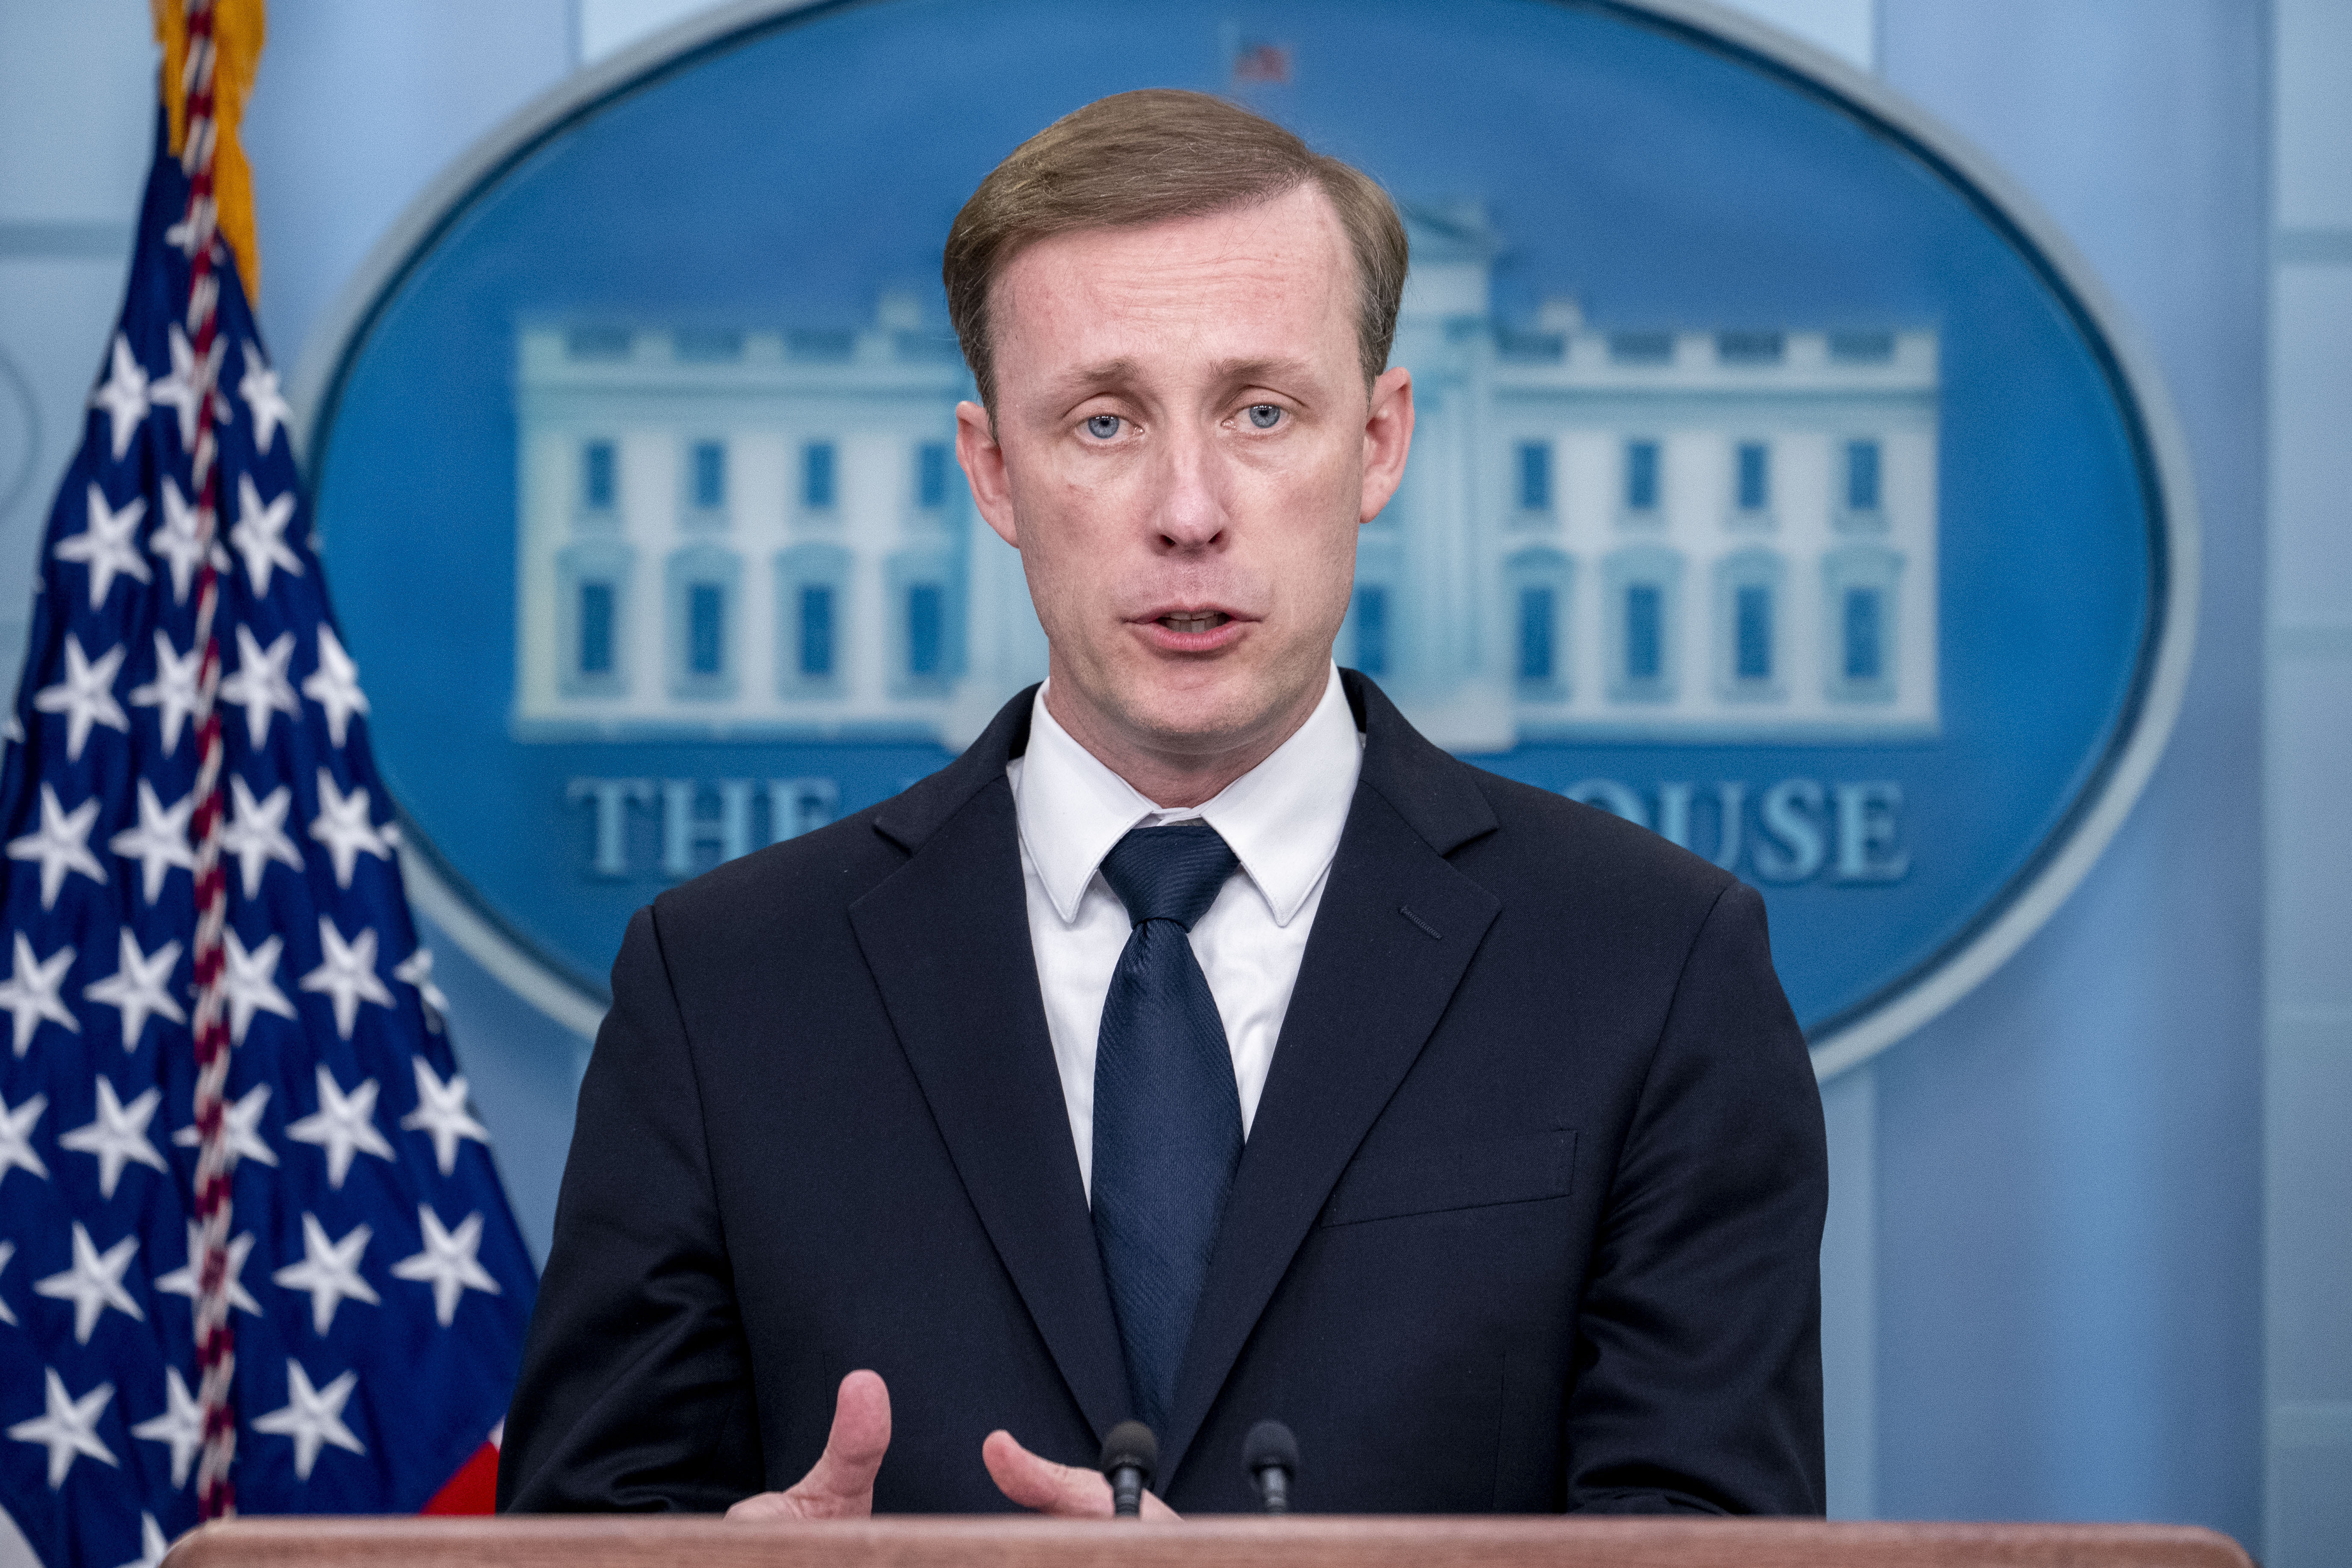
x=1265 y=416
x=1103 y=426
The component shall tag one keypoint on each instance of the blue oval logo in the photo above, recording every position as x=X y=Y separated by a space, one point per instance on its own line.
x=1780 y=483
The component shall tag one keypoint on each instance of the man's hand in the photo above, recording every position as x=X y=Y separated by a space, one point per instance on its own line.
x=840 y=1484
x=1063 y=1491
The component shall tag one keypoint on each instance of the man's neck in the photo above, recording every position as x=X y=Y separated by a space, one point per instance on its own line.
x=1175 y=779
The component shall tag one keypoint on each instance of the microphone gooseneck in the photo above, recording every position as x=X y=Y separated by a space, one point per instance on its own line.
x=1130 y=1458
x=1271 y=1453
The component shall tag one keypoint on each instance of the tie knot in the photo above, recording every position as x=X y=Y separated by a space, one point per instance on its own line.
x=1169 y=873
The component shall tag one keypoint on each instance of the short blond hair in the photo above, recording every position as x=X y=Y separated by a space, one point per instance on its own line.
x=1146 y=157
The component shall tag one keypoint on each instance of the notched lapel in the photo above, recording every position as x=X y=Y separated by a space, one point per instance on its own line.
x=947 y=937
x=1396 y=928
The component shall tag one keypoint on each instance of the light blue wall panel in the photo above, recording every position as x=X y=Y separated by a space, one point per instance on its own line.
x=2069 y=1162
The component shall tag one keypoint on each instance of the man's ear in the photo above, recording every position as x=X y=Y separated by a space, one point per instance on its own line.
x=1387 y=438
x=983 y=467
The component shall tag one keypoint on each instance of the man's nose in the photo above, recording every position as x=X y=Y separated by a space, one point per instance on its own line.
x=1190 y=512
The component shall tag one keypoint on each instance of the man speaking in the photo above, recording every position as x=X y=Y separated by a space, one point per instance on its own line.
x=1202 y=1045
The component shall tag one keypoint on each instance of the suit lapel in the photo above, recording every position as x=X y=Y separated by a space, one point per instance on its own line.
x=947 y=938
x=1396 y=928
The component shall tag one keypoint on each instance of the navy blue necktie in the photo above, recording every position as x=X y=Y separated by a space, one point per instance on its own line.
x=1167 y=1120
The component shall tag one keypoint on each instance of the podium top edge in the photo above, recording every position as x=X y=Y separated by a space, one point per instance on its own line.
x=610 y=1540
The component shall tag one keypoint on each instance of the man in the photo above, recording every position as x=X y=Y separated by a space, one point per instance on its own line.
x=1201 y=1044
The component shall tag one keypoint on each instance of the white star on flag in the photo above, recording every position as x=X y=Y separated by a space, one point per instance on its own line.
x=141 y=987
x=347 y=975
x=181 y=390
x=123 y=394
x=61 y=845
x=181 y=1425
x=7 y=1251
x=94 y=1283
x=183 y=1280
x=108 y=545
x=117 y=1136
x=86 y=696
x=417 y=969
x=255 y=833
x=258 y=388
x=30 y=994
x=69 y=1427
x=260 y=534
x=16 y=1151
x=177 y=541
x=244 y=1118
x=330 y=1272
x=151 y=1544
x=342 y=1125
x=312 y=1417
x=335 y=684
x=342 y=826
x=259 y=685
x=160 y=841
x=173 y=691
x=249 y=982
x=441 y=1112
x=448 y=1263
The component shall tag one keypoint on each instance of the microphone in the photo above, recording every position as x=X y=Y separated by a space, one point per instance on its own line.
x=1272 y=1455
x=1130 y=1456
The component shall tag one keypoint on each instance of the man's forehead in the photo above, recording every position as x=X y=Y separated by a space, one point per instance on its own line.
x=1260 y=285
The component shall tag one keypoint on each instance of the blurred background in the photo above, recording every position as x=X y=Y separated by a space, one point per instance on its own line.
x=2089 y=1253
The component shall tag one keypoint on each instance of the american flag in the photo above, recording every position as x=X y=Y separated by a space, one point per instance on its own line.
x=1257 y=63
x=371 y=1286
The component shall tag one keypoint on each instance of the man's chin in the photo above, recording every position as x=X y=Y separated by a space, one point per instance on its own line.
x=1206 y=717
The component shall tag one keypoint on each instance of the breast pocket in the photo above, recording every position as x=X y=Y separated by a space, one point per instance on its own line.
x=1512 y=1168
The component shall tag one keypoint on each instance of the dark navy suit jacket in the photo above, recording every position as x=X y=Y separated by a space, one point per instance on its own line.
x=1529 y=1217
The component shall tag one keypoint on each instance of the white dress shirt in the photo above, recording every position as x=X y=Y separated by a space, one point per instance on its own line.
x=1282 y=819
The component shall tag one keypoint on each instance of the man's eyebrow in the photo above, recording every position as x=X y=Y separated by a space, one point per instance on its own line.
x=1107 y=372
x=1237 y=372
x=1230 y=372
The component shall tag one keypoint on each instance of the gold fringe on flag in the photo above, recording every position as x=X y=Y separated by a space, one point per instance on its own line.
x=238 y=29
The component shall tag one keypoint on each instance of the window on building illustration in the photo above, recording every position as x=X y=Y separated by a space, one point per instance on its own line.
x=1535 y=476
x=1749 y=348
x=600 y=475
x=1642 y=348
x=597 y=343
x=1865 y=655
x=1538 y=615
x=932 y=475
x=816 y=630
x=1641 y=476
x=817 y=475
x=596 y=628
x=1862 y=348
x=1645 y=614
x=710 y=475
x=925 y=628
x=706 y=630
x=1751 y=612
x=1753 y=479
x=1372 y=630
x=1862 y=476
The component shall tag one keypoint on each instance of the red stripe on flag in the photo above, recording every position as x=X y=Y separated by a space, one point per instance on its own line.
x=474 y=1488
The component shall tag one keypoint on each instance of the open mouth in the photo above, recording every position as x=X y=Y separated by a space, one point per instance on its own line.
x=1204 y=621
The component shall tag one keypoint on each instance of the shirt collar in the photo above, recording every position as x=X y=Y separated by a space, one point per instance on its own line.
x=1282 y=818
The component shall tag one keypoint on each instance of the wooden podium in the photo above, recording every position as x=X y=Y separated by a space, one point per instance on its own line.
x=1301 y=1542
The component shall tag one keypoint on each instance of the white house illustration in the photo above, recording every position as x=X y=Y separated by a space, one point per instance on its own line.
x=1642 y=535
